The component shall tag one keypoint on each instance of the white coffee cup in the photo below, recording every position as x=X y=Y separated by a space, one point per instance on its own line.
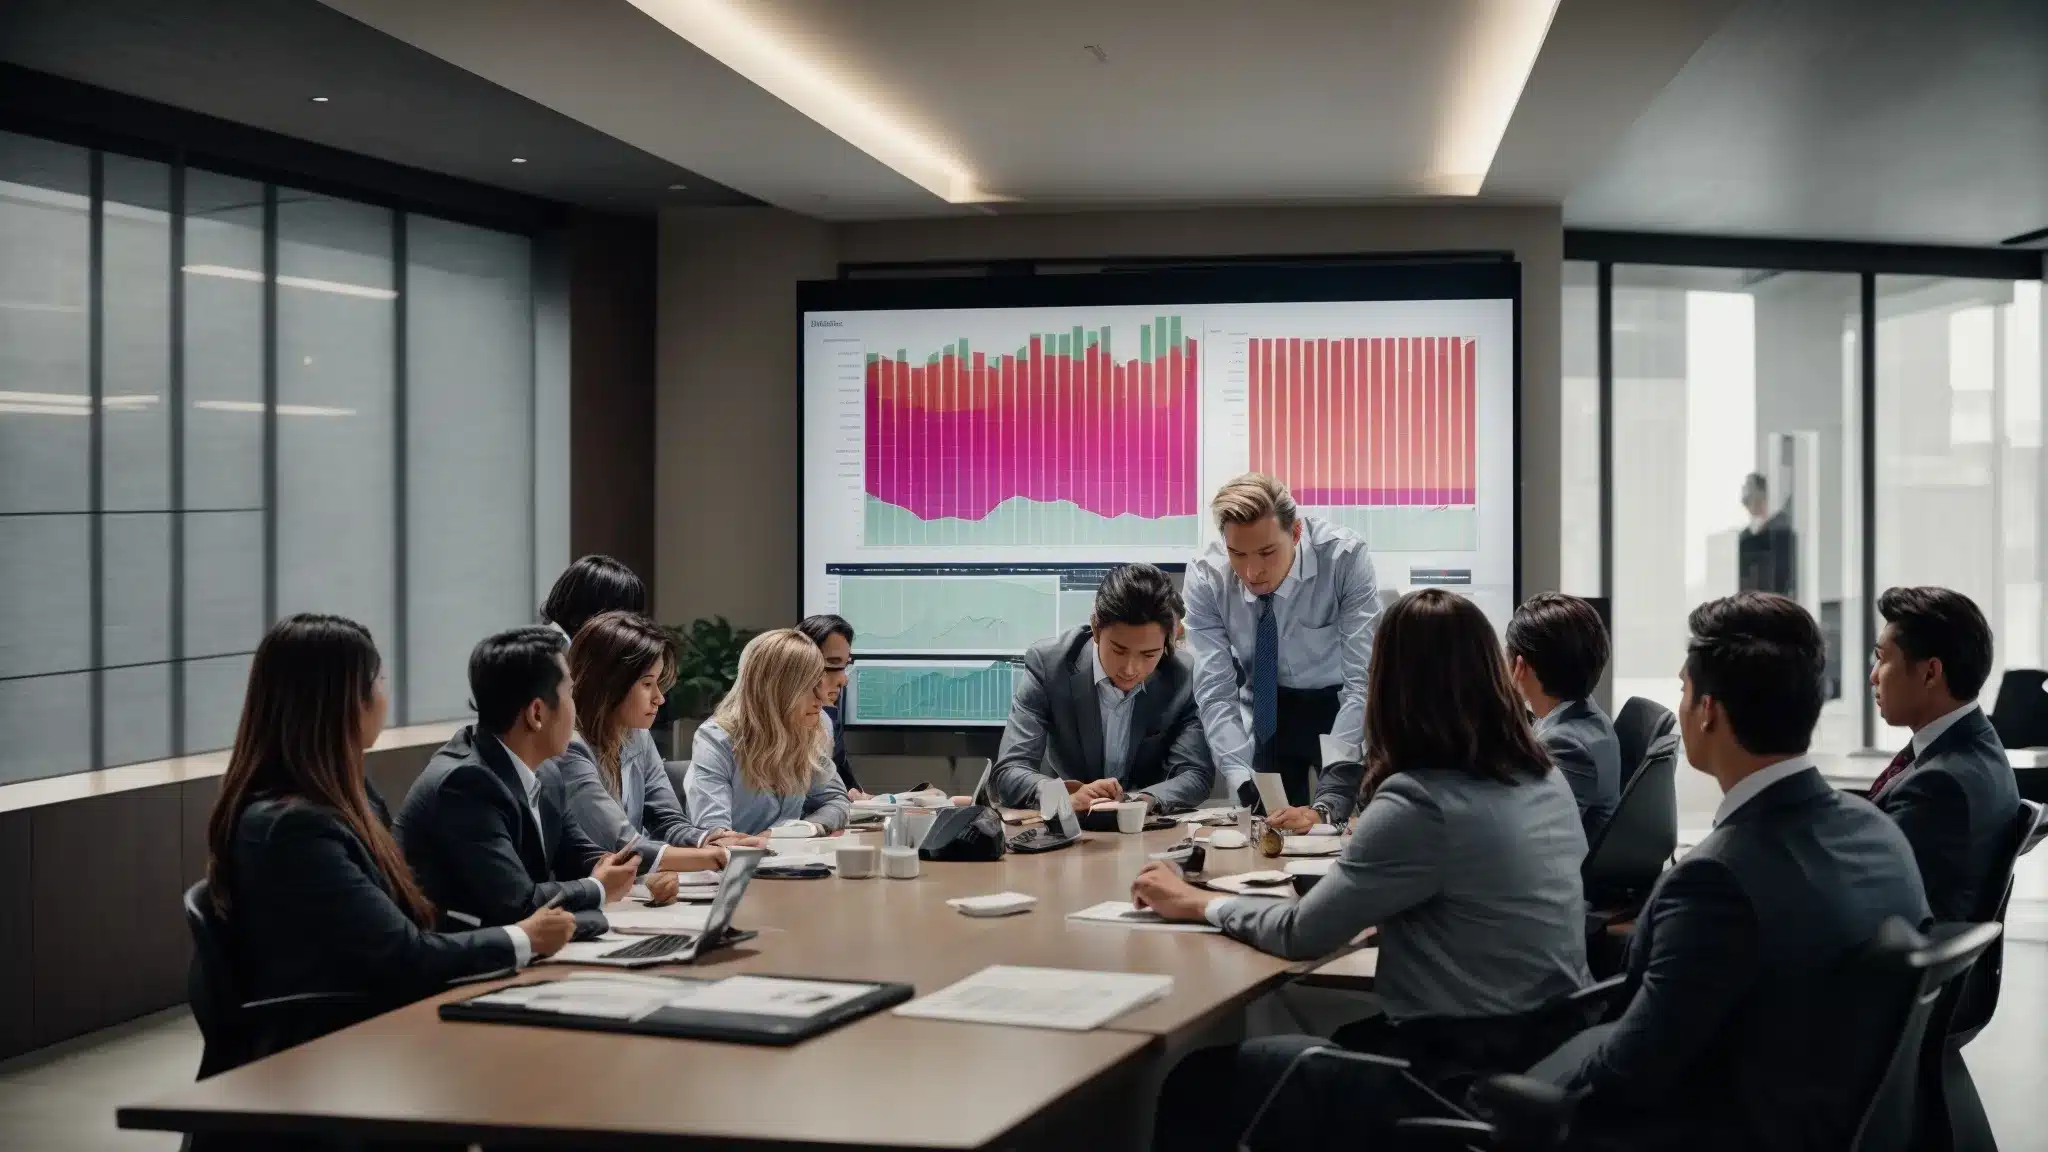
x=1130 y=815
x=856 y=861
x=899 y=863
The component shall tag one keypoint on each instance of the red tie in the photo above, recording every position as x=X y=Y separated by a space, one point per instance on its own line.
x=1899 y=764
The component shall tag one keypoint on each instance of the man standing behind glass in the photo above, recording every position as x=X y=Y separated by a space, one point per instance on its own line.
x=1281 y=614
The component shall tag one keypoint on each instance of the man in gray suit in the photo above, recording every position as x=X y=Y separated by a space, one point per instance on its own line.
x=1740 y=1030
x=1951 y=789
x=1557 y=649
x=1109 y=707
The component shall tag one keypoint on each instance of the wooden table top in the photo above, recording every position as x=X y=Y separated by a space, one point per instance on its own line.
x=884 y=1081
x=410 y=1074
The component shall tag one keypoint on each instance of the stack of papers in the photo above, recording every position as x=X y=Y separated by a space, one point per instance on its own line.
x=1311 y=846
x=1125 y=914
x=1040 y=997
x=629 y=916
x=1247 y=884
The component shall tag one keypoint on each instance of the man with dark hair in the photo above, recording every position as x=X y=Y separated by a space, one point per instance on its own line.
x=1557 y=649
x=834 y=638
x=490 y=841
x=1109 y=707
x=1767 y=550
x=1740 y=1031
x=1951 y=788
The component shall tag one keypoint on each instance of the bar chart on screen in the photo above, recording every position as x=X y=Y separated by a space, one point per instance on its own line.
x=1054 y=441
x=1378 y=434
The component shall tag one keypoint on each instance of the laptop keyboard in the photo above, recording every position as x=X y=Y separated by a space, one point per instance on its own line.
x=1040 y=839
x=649 y=947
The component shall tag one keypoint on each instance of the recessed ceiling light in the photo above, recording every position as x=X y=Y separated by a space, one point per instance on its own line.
x=677 y=187
x=319 y=99
x=519 y=159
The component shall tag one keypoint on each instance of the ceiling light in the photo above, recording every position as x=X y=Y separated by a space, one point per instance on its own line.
x=282 y=409
x=519 y=159
x=1493 y=63
x=676 y=187
x=319 y=99
x=721 y=31
x=334 y=287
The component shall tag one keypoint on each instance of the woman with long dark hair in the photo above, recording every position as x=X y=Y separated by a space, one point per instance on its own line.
x=592 y=586
x=621 y=664
x=302 y=867
x=1465 y=856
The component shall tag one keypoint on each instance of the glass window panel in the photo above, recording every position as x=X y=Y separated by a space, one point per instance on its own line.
x=135 y=575
x=45 y=381
x=1579 y=433
x=469 y=365
x=1721 y=374
x=138 y=719
x=46 y=614
x=48 y=722
x=135 y=366
x=336 y=324
x=223 y=582
x=1958 y=453
x=223 y=341
x=213 y=701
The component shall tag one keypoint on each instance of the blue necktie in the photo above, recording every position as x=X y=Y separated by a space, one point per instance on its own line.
x=1266 y=673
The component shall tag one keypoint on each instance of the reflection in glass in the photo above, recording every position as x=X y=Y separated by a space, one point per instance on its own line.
x=1579 y=433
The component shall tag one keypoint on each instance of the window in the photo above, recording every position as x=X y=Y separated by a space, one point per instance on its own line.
x=1579 y=433
x=138 y=479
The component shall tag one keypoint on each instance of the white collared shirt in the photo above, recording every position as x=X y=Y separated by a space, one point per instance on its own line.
x=1747 y=788
x=1934 y=728
x=1117 y=707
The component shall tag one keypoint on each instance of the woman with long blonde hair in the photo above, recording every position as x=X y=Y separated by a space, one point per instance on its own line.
x=622 y=664
x=764 y=759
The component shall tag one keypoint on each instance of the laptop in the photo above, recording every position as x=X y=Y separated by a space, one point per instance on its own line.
x=685 y=947
x=1061 y=828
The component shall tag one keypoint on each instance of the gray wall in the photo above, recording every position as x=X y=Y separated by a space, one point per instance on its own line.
x=612 y=278
x=726 y=501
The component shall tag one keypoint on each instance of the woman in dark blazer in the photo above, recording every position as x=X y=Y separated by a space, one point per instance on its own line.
x=302 y=869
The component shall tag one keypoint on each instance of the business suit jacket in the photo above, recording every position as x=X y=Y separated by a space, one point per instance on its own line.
x=837 y=721
x=1740 y=1031
x=473 y=843
x=1581 y=742
x=311 y=912
x=1956 y=805
x=651 y=806
x=1055 y=728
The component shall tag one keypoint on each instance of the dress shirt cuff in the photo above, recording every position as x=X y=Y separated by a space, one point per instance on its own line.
x=522 y=948
x=598 y=886
x=1213 y=910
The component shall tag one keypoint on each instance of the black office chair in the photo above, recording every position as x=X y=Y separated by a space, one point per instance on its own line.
x=236 y=1031
x=1956 y=1117
x=1522 y=1113
x=677 y=770
x=2020 y=714
x=1637 y=728
x=1630 y=852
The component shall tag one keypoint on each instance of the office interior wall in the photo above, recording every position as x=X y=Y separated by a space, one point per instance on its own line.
x=612 y=278
x=726 y=491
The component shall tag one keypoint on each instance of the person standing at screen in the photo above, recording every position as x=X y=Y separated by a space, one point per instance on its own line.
x=1281 y=613
x=1108 y=707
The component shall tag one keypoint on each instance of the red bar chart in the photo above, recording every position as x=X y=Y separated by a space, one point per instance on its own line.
x=1377 y=433
x=1055 y=441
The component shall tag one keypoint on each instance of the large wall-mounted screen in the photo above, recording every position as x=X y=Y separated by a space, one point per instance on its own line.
x=976 y=453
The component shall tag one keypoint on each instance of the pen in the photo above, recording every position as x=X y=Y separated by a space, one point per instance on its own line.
x=556 y=900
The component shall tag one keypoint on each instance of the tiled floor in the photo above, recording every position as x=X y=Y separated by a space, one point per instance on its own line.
x=62 y=1099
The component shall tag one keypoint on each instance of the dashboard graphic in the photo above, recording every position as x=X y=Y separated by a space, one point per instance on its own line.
x=975 y=461
x=1056 y=441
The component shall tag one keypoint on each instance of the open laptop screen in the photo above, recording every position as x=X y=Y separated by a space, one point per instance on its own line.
x=730 y=888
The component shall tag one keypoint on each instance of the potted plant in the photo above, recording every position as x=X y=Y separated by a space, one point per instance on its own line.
x=707 y=662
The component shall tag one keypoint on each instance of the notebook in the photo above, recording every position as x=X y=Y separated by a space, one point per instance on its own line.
x=1124 y=914
x=1062 y=998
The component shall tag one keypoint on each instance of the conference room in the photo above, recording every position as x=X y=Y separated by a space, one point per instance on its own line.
x=915 y=575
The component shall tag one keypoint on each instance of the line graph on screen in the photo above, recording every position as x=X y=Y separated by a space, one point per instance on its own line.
x=1054 y=441
x=1378 y=434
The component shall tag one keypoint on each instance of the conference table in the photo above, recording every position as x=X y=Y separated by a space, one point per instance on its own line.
x=883 y=1081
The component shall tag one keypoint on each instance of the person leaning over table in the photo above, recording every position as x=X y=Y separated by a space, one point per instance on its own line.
x=1466 y=857
x=764 y=758
x=1109 y=707
x=301 y=866
x=620 y=664
x=834 y=638
x=1280 y=623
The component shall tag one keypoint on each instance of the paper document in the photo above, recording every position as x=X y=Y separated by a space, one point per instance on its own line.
x=1319 y=866
x=1272 y=791
x=1040 y=997
x=621 y=999
x=1124 y=914
x=1207 y=816
x=1248 y=884
x=628 y=916
x=772 y=996
x=1311 y=846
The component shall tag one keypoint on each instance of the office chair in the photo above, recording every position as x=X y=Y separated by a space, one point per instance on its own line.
x=236 y=1031
x=1956 y=1116
x=1628 y=855
x=1637 y=728
x=677 y=770
x=2020 y=714
x=1526 y=1113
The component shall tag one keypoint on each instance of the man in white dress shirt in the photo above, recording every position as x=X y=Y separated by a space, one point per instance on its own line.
x=1281 y=614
